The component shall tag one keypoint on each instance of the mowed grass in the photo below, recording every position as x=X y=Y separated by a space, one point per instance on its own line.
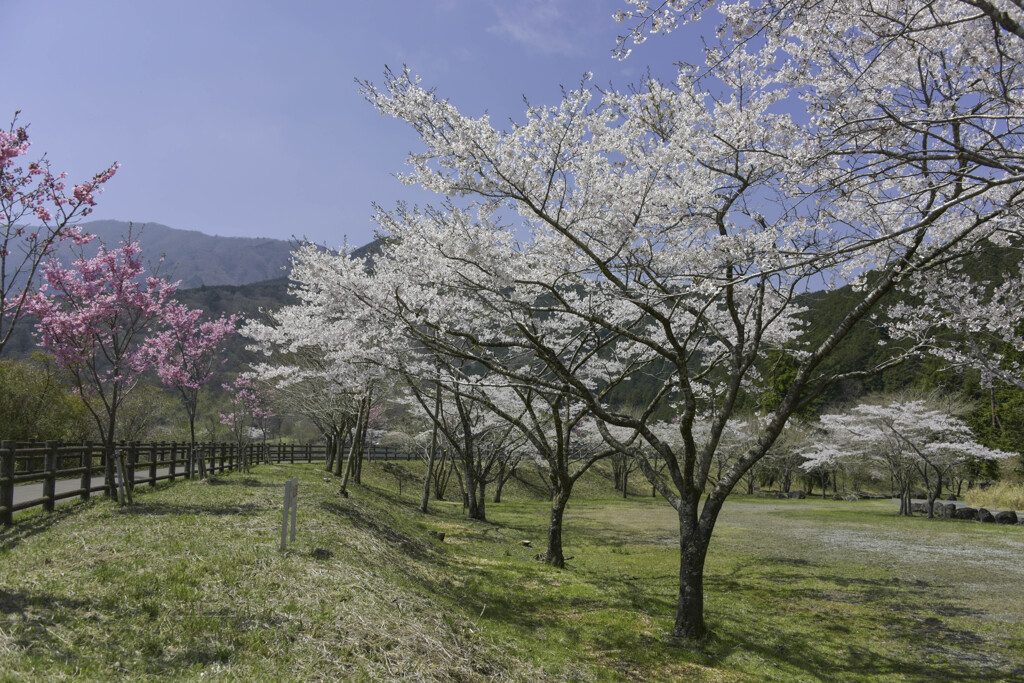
x=190 y=584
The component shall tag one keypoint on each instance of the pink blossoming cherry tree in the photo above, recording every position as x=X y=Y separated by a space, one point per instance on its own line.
x=184 y=353
x=99 y=318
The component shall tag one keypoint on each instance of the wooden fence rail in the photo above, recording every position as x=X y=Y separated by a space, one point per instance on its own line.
x=146 y=463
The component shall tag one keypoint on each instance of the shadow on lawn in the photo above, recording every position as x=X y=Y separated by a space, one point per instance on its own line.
x=902 y=618
x=37 y=524
x=145 y=508
x=247 y=482
x=413 y=547
x=31 y=616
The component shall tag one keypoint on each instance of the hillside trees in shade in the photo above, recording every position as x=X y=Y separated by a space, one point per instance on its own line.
x=37 y=212
x=36 y=404
x=99 y=318
x=682 y=220
x=904 y=438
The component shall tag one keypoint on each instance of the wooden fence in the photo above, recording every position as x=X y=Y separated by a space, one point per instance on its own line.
x=147 y=463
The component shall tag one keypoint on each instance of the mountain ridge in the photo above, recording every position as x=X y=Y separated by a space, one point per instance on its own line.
x=195 y=258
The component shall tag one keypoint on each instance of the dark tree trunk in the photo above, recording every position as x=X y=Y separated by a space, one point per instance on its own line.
x=690 y=604
x=474 y=509
x=481 y=499
x=554 y=555
x=431 y=454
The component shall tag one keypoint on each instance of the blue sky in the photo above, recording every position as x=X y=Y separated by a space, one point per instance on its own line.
x=243 y=118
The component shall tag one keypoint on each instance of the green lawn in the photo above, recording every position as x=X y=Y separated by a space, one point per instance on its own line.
x=189 y=584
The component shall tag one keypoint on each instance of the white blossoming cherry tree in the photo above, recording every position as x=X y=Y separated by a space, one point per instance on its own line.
x=907 y=438
x=683 y=221
x=324 y=358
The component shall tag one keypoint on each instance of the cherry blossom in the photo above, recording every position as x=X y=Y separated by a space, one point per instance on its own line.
x=36 y=214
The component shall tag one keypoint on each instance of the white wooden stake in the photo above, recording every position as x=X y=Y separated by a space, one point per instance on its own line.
x=291 y=507
x=295 y=505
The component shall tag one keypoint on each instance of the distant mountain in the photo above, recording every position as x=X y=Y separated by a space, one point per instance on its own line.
x=196 y=258
x=247 y=299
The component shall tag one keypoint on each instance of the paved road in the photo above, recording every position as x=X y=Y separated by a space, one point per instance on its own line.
x=26 y=492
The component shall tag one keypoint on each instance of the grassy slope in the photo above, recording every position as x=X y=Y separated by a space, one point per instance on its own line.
x=190 y=583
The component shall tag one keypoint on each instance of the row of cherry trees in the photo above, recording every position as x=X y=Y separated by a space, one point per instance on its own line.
x=667 y=234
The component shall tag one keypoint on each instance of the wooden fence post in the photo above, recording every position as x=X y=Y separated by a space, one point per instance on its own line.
x=109 y=483
x=49 y=475
x=133 y=462
x=86 y=462
x=7 y=482
x=152 y=463
x=174 y=457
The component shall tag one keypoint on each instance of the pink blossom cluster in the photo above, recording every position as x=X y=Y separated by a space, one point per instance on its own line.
x=184 y=351
x=35 y=196
x=38 y=192
x=98 y=317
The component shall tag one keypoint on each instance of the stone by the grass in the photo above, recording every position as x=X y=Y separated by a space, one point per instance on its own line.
x=947 y=509
x=919 y=507
x=1006 y=517
x=966 y=513
x=985 y=516
x=797 y=494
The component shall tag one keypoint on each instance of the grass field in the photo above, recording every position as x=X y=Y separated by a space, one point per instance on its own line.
x=189 y=584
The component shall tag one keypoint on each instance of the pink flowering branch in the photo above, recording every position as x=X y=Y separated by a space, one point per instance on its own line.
x=37 y=212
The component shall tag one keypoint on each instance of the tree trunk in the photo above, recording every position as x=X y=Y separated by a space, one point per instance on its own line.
x=503 y=476
x=481 y=499
x=352 y=452
x=431 y=454
x=554 y=555
x=933 y=495
x=348 y=471
x=339 y=446
x=690 y=605
x=472 y=504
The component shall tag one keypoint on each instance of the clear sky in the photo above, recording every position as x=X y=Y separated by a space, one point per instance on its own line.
x=243 y=118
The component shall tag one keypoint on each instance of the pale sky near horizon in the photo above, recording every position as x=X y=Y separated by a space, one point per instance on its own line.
x=243 y=118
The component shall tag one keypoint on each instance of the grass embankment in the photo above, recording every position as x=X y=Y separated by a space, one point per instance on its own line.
x=1000 y=496
x=190 y=583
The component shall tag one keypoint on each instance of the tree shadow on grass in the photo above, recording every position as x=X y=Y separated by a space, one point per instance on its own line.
x=156 y=509
x=408 y=545
x=903 y=620
x=114 y=627
x=247 y=482
x=36 y=524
